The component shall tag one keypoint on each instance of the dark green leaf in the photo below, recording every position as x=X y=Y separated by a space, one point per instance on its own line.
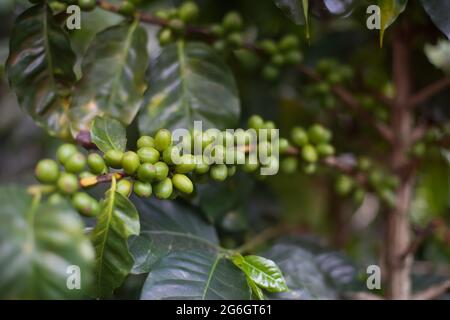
x=40 y=68
x=37 y=245
x=199 y=275
x=390 y=10
x=113 y=78
x=168 y=226
x=117 y=221
x=264 y=272
x=312 y=272
x=189 y=82
x=108 y=133
x=439 y=12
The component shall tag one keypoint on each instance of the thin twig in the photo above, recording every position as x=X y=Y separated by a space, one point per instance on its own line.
x=429 y=91
x=420 y=238
x=433 y=291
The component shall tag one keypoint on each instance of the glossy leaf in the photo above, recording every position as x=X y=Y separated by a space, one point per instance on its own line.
x=439 y=12
x=189 y=82
x=167 y=226
x=39 y=247
x=40 y=68
x=195 y=275
x=296 y=10
x=113 y=78
x=312 y=272
x=257 y=292
x=390 y=10
x=108 y=133
x=263 y=272
x=117 y=221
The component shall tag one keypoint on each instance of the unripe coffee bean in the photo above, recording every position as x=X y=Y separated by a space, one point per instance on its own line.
x=47 y=171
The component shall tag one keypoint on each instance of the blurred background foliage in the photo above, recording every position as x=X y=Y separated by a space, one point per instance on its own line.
x=241 y=207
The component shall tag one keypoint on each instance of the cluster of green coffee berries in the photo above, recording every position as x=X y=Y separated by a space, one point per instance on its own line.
x=429 y=144
x=332 y=73
x=285 y=52
x=372 y=106
x=126 y=8
x=176 y=19
x=378 y=180
x=307 y=146
x=228 y=33
x=65 y=174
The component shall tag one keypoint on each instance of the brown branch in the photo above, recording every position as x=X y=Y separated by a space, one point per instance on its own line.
x=420 y=238
x=433 y=291
x=429 y=91
x=84 y=140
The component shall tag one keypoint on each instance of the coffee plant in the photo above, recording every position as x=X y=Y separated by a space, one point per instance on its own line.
x=163 y=133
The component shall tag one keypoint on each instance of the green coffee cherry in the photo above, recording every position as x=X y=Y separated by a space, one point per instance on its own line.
x=76 y=163
x=170 y=153
x=96 y=163
x=310 y=168
x=201 y=166
x=270 y=72
x=124 y=187
x=182 y=183
x=85 y=204
x=364 y=163
x=67 y=183
x=113 y=158
x=87 y=5
x=231 y=171
x=250 y=167
x=164 y=189
x=289 y=165
x=148 y=154
x=344 y=185
x=161 y=171
x=359 y=195
x=309 y=153
x=219 y=45
x=65 y=151
x=318 y=134
x=56 y=199
x=288 y=42
x=278 y=60
x=187 y=164
x=163 y=140
x=255 y=122
x=325 y=149
x=142 y=189
x=219 y=172
x=217 y=30
x=47 y=171
x=232 y=21
x=269 y=47
x=146 y=172
x=162 y=14
x=86 y=174
x=165 y=36
x=283 y=145
x=176 y=25
x=57 y=6
x=293 y=57
x=130 y=162
x=299 y=136
x=127 y=9
x=235 y=39
x=188 y=11
x=145 y=141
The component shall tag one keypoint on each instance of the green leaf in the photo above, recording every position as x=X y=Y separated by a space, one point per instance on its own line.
x=256 y=291
x=439 y=12
x=113 y=78
x=38 y=244
x=117 y=221
x=167 y=226
x=40 y=68
x=198 y=275
x=264 y=272
x=189 y=82
x=390 y=10
x=108 y=133
x=311 y=271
